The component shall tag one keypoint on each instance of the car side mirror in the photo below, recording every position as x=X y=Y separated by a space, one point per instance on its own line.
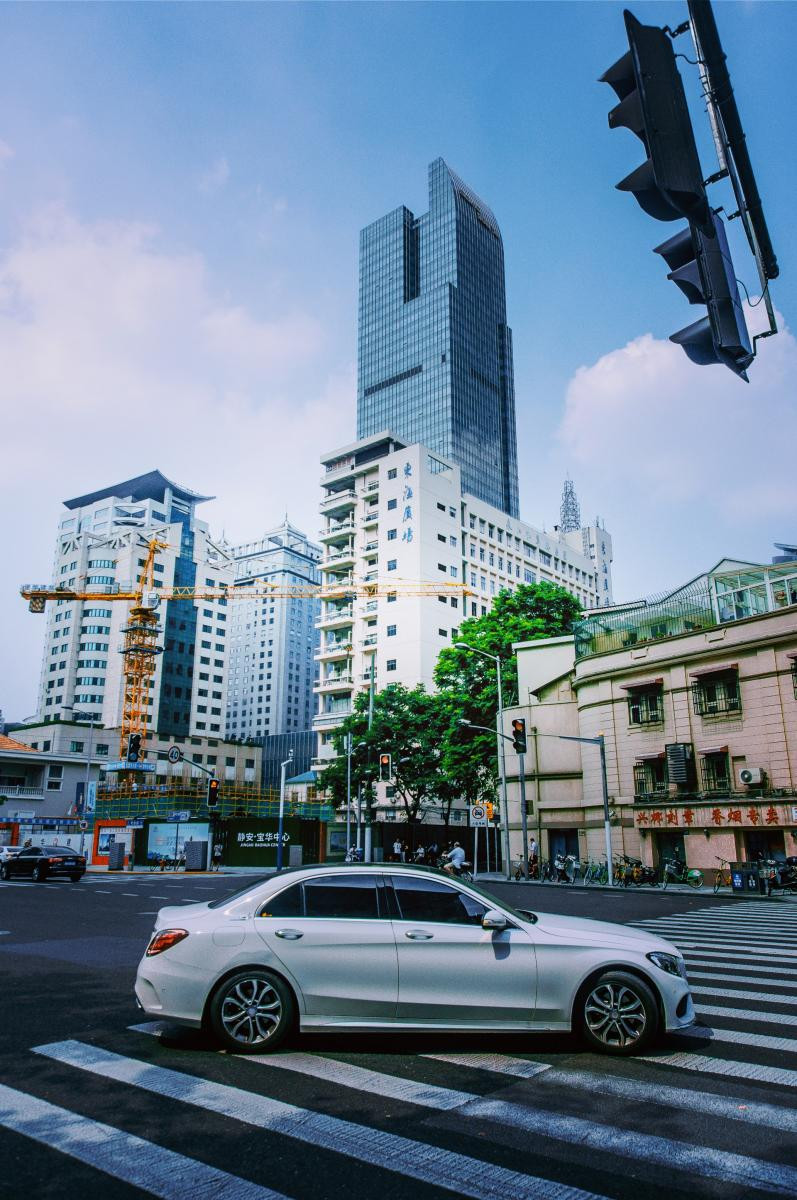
x=493 y=919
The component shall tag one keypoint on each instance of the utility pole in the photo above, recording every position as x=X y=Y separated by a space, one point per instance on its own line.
x=283 y=768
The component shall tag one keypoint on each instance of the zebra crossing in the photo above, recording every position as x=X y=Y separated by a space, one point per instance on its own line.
x=711 y=1110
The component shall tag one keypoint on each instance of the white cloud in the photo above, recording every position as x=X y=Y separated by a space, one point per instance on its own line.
x=688 y=462
x=215 y=177
x=119 y=357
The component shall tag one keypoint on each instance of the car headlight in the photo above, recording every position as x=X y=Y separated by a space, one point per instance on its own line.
x=668 y=963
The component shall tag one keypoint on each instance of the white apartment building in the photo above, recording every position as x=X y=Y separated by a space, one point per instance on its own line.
x=273 y=640
x=102 y=544
x=396 y=513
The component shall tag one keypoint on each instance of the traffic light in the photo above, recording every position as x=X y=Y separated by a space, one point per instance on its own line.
x=134 y=747
x=669 y=185
x=702 y=268
x=519 y=735
x=385 y=768
x=213 y=793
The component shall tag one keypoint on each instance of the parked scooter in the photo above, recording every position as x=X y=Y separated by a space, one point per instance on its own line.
x=780 y=876
x=637 y=872
x=354 y=855
x=566 y=867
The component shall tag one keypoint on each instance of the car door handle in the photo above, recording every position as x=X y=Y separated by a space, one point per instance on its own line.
x=290 y=935
x=418 y=935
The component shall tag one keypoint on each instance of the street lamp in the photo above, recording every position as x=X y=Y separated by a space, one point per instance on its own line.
x=350 y=750
x=283 y=767
x=499 y=749
x=600 y=742
x=91 y=718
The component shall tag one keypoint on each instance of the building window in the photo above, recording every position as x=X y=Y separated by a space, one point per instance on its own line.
x=392 y=534
x=392 y=473
x=390 y=665
x=391 y=631
x=55 y=775
x=102 y=750
x=645 y=705
x=391 y=597
x=76 y=747
x=391 y=504
x=441 y=537
x=442 y=567
x=717 y=695
x=442 y=633
x=715 y=771
x=650 y=777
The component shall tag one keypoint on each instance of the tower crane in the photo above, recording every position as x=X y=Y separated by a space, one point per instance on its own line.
x=140 y=645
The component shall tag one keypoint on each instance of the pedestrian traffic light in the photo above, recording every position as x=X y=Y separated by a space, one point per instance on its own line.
x=669 y=184
x=702 y=268
x=213 y=793
x=134 y=747
x=385 y=768
x=519 y=735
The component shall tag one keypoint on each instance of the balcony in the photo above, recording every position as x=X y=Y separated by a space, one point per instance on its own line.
x=369 y=642
x=371 y=517
x=369 y=608
x=336 y=682
x=339 y=557
x=335 y=617
x=332 y=717
x=336 y=649
x=333 y=532
x=23 y=793
x=339 y=501
x=370 y=488
x=371 y=547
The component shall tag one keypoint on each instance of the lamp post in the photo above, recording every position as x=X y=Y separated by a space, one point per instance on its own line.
x=283 y=768
x=91 y=720
x=600 y=742
x=500 y=749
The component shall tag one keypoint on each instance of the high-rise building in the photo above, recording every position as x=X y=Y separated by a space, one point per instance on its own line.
x=435 y=351
x=102 y=544
x=399 y=514
x=273 y=640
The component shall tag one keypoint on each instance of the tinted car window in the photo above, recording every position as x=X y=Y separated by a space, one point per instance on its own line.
x=429 y=900
x=31 y=852
x=347 y=896
x=285 y=904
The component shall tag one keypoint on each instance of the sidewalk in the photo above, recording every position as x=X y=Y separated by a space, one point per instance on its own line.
x=673 y=889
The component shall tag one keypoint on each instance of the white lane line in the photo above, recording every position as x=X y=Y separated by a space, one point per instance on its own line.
x=782 y=1076
x=760 y=1040
x=130 y=894
x=736 y=994
x=647 y=1148
x=459 y=1173
x=717 y=977
x=4 y=932
x=122 y=1155
x=499 y=1064
x=743 y=1014
x=706 y=958
x=155 y=896
x=105 y=891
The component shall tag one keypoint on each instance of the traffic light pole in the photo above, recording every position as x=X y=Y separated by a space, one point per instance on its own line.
x=524 y=859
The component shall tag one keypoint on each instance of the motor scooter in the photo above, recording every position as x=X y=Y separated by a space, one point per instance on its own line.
x=780 y=876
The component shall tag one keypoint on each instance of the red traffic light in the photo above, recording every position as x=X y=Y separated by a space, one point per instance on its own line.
x=519 y=735
x=213 y=793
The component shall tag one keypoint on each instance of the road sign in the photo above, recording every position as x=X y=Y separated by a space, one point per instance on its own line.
x=175 y=754
x=123 y=765
x=478 y=816
x=183 y=815
x=135 y=823
x=83 y=826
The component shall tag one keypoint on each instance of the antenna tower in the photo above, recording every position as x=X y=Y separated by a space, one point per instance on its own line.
x=569 y=512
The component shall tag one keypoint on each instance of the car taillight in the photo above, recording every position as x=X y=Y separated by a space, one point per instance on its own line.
x=54 y=861
x=164 y=940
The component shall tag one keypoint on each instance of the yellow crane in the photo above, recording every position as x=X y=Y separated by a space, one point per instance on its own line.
x=140 y=646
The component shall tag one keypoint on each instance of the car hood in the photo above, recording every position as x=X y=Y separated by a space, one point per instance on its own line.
x=582 y=931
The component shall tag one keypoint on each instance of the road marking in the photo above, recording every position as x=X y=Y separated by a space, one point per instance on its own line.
x=742 y=1014
x=500 y=1064
x=761 y=1040
x=716 y=977
x=736 y=994
x=782 y=1076
x=648 y=1148
x=417 y=1160
x=4 y=932
x=105 y=891
x=733 y=950
x=706 y=958
x=122 y=1155
x=130 y=894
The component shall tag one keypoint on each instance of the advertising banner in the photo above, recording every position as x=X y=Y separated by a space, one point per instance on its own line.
x=253 y=841
x=167 y=840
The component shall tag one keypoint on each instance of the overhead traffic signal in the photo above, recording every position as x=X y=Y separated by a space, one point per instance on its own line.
x=670 y=185
x=213 y=793
x=134 y=747
x=385 y=768
x=519 y=735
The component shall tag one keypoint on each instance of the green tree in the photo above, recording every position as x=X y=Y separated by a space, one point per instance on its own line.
x=410 y=725
x=467 y=683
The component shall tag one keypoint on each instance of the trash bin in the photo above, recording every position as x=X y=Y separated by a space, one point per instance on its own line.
x=117 y=852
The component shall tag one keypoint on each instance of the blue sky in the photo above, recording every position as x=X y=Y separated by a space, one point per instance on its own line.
x=181 y=190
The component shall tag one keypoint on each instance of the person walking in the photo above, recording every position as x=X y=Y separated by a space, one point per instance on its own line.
x=217 y=850
x=397 y=851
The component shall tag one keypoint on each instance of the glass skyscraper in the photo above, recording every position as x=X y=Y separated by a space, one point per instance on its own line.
x=434 y=348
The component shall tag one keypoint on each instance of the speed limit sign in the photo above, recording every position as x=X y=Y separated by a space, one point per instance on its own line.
x=175 y=754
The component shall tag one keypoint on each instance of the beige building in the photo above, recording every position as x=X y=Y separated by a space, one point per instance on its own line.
x=695 y=693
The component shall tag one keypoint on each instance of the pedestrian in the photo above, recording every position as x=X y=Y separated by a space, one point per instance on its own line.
x=27 y=843
x=397 y=851
x=405 y=852
x=420 y=855
x=432 y=853
x=216 y=864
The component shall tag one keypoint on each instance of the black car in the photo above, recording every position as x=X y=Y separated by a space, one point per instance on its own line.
x=42 y=862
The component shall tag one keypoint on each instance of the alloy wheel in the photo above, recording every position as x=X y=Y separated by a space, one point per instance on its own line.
x=615 y=1015
x=251 y=1011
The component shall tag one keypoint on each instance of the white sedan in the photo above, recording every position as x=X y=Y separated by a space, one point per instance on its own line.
x=393 y=947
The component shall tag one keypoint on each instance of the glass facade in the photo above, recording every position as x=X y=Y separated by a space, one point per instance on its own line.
x=434 y=348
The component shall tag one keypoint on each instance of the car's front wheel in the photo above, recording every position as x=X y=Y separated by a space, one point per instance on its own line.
x=617 y=1014
x=252 y=1012
x=38 y=874
x=4 y=871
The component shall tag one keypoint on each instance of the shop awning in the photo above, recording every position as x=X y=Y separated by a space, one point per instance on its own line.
x=793 y=655
x=640 y=758
x=642 y=684
x=725 y=669
x=712 y=750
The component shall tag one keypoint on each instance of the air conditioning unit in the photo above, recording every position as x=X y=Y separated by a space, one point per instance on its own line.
x=751 y=775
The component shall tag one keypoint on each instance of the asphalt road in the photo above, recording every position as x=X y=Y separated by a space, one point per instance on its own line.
x=94 y=1104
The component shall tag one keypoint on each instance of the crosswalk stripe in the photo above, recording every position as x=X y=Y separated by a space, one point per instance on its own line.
x=738 y=994
x=743 y=1014
x=782 y=1076
x=757 y=978
x=708 y=958
x=761 y=950
x=499 y=1064
x=724 y=1165
x=761 y=1041
x=125 y=1157
x=418 y=1160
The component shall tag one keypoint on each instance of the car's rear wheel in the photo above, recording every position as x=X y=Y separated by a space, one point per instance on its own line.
x=76 y=878
x=38 y=874
x=4 y=871
x=252 y=1012
x=618 y=1014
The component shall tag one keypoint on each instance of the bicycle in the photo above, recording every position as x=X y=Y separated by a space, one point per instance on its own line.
x=722 y=877
x=675 y=871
